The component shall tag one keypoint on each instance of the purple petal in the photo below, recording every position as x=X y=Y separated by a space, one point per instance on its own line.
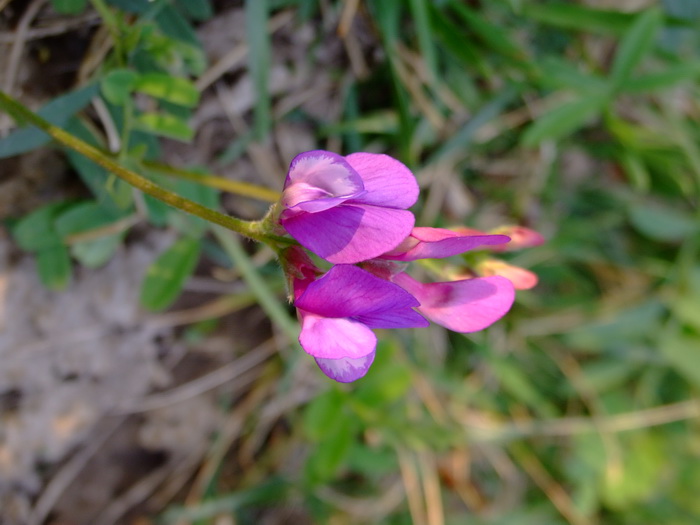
x=402 y=318
x=335 y=338
x=346 y=370
x=318 y=180
x=349 y=291
x=436 y=243
x=462 y=306
x=350 y=233
x=388 y=182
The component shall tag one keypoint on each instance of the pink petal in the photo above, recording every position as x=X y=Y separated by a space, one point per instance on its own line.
x=350 y=292
x=388 y=182
x=346 y=370
x=462 y=306
x=436 y=243
x=520 y=237
x=521 y=278
x=350 y=233
x=335 y=338
x=318 y=180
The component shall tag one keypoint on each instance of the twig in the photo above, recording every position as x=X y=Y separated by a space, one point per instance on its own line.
x=59 y=28
x=20 y=39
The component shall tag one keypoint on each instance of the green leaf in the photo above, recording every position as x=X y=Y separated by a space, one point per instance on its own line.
x=493 y=36
x=640 y=474
x=204 y=195
x=683 y=354
x=636 y=43
x=118 y=84
x=662 y=223
x=53 y=265
x=95 y=253
x=58 y=112
x=577 y=17
x=266 y=493
x=173 y=89
x=565 y=119
x=36 y=231
x=323 y=414
x=515 y=381
x=259 y=61
x=167 y=275
x=165 y=125
x=83 y=217
x=176 y=26
x=327 y=455
x=426 y=40
x=196 y=9
x=112 y=193
x=69 y=7
x=663 y=80
x=157 y=211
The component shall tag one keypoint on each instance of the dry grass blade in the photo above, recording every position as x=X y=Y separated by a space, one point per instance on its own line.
x=412 y=487
x=203 y=384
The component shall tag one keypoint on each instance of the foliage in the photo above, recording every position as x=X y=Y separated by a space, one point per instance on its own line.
x=580 y=406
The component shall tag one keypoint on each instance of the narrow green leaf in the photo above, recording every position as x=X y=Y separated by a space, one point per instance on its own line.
x=256 y=12
x=426 y=40
x=58 y=112
x=266 y=493
x=493 y=36
x=115 y=195
x=565 y=119
x=173 y=89
x=636 y=43
x=167 y=275
x=268 y=299
x=53 y=265
x=663 y=80
x=662 y=223
x=577 y=17
x=165 y=125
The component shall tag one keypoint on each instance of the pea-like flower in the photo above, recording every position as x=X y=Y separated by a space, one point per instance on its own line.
x=338 y=312
x=348 y=209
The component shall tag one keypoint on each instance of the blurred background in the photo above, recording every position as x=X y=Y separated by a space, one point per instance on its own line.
x=141 y=380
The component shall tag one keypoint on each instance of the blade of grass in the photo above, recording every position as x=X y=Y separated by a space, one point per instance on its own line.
x=425 y=36
x=267 y=298
x=256 y=12
x=636 y=43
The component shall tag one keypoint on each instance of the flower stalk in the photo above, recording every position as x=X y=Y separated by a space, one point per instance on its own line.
x=249 y=229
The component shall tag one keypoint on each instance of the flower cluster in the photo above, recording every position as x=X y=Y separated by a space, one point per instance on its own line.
x=352 y=212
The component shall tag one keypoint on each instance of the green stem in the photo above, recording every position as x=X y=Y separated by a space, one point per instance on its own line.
x=266 y=297
x=232 y=186
x=253 y=230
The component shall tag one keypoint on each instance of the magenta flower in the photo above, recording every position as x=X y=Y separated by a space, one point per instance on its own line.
x=339 y=311
x=462 y=306
x=348 y=209
x=436 y=243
